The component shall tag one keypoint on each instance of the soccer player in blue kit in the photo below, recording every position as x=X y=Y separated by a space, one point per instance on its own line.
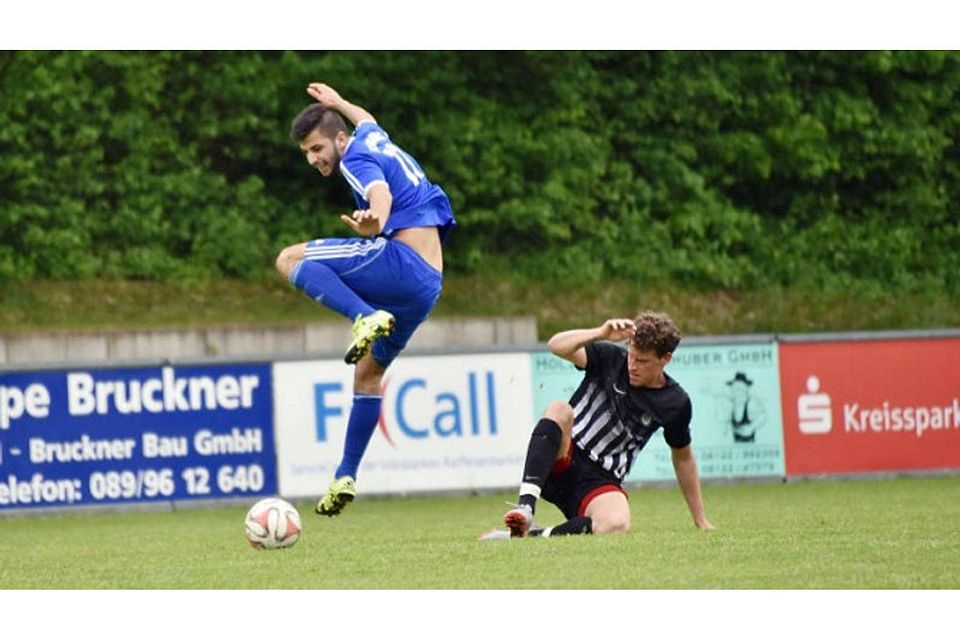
x=388 y=280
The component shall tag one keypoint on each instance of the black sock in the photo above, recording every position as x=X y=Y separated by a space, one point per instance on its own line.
x=541 y=454
x=573 y=526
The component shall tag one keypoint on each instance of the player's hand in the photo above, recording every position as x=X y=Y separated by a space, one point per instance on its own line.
x=363 y=222
x=324 y=94
x=704 y=525
x=617 y=329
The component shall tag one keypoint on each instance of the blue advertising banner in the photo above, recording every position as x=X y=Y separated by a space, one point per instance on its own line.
x=100 y=436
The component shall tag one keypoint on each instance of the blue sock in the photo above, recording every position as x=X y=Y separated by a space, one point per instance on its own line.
x=360 y=426
x=322 y=284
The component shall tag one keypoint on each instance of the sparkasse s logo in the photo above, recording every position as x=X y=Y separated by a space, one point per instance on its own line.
x=813 y=409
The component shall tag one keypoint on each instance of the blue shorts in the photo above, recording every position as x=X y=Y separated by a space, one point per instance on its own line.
x=388 y=275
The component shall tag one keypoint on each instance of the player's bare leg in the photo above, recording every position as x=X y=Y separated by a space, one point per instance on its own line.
x=289 y=258
x=609 y=512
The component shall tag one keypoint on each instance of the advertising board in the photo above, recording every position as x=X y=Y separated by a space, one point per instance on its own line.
x=871 y=405
x=734 y=389
x=447 y=423
x=101 y=436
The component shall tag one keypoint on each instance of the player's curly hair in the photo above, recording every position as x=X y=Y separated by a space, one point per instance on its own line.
x=656 y=332
x=316 y=116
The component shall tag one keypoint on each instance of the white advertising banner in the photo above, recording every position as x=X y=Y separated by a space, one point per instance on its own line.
x=447 y=423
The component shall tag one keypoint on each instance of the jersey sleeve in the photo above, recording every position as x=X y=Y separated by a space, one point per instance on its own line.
x=600 y=356
x=677 y=431
x=359 y=166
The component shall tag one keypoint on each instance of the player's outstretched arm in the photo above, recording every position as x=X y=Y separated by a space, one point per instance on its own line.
x=685 y=466
x=569 y=345
x=328 y=97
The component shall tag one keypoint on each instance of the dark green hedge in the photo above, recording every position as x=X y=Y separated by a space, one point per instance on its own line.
x=712 y=169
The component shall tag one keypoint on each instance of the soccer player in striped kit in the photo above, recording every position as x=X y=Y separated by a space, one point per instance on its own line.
x=580 y=452
x=388 y=280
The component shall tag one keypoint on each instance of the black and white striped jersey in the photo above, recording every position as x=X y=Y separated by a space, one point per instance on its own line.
x=613 y=421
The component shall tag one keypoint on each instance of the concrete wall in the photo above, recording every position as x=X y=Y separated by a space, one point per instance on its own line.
x=22 y=350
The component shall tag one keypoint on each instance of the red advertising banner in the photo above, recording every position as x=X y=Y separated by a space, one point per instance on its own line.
x=871 y=405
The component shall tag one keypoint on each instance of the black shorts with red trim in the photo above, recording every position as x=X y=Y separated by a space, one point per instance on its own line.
x=576 y=480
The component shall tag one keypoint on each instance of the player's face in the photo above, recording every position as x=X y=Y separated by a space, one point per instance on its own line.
x=322 y=152
x=645 y=368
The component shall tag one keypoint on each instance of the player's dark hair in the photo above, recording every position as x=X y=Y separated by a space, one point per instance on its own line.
x=316 y=116
x=656 y=332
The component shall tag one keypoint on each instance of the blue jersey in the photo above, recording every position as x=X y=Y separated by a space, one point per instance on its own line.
x=370 y=158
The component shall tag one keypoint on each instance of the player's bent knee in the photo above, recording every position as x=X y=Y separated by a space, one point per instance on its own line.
x=560 y=412
x=283 y=264
x=610 y=525
x=610 y=513
x=287 y=260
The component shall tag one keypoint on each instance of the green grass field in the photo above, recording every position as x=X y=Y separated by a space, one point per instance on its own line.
x=856 y=534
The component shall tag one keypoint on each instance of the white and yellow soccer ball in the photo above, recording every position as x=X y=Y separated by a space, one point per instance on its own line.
x=272 y=523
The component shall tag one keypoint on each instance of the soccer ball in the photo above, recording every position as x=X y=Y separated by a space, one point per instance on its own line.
x=272 y=523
